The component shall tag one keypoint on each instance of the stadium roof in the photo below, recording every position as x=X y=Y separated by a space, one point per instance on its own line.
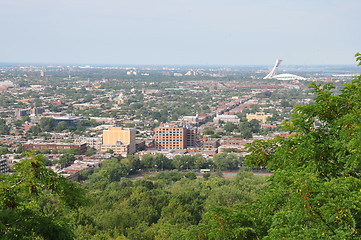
x=288 y=76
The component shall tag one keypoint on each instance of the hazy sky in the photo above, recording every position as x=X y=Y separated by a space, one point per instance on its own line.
x=236 y=32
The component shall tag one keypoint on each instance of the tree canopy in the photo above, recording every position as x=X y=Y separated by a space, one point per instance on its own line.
x=34 y=201
x=315 y=191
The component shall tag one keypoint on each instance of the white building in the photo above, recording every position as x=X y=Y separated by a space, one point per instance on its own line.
x=227 y=118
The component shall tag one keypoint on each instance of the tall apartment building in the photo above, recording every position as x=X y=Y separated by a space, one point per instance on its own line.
x=37 y=111
x=3 y=165
x=175 y=137
x=22 y=113
x=120 y=140
x=192 y=137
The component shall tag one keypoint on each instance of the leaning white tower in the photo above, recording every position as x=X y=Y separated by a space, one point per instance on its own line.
x=274 y=70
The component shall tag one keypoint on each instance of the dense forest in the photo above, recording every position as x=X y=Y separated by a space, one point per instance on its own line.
x=314 y=192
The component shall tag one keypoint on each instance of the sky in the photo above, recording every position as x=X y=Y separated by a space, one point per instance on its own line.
x=180 y=32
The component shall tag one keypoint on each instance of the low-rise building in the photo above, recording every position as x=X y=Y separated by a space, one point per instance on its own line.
x=227 y=118
x=260 y=116
x=210 y=143
x=93 y=142
x=190 y=120
x=33 y=146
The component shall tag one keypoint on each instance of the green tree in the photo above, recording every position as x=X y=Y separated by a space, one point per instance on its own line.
x=80 y=127
x=18 y=123
x=4 y=150
x=4 y=128
x=19 y=149
x=255 y=125
x=314 y=192
x=33 y=200
x=61 y=126
x=72 y=151
x=37 y=102
x=169 y=176
x=229 y=127
x=208 y=131
x=112 y=170
x=35 y=130
x=220 y=223
x=226 y=161
x=89 y=152
x=47 y=124
x=201 y=162
x=147 y=161
x=132 y=162
x=190 y=175
x=285 y=103
x=184 y=208
x=25 y=119
x=246 y=133
x=66 y=159
x=184 y=162
x=162 y=162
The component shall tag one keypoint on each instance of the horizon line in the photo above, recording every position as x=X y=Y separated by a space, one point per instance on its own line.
x=168 y=64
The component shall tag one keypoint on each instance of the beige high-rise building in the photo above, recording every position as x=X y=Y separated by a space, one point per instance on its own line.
x=116 y=138
x=115 y=135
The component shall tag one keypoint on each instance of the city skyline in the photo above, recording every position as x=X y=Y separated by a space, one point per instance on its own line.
x=180 y=33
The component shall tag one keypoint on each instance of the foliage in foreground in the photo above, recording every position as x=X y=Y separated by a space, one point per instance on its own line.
x=315 y=192
x=165 y=206
x=34 y=202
